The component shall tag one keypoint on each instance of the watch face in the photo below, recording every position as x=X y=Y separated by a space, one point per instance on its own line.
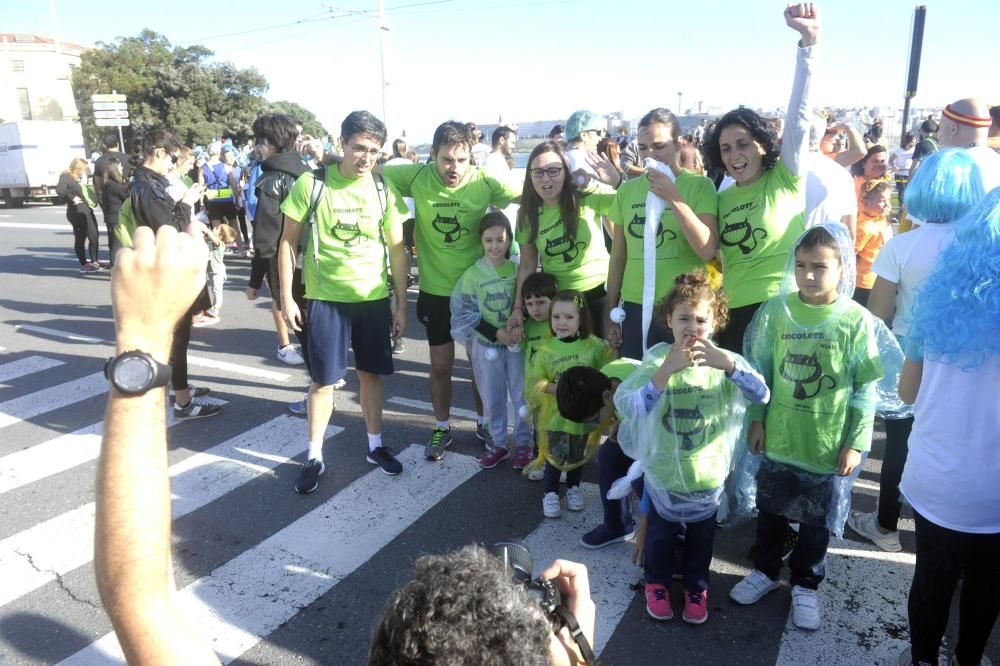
x=133 y=373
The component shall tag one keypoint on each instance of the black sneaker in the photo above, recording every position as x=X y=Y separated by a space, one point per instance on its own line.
x=195 y=409
x=382 y=456
x=309 y=476
x=196 y=391
x=440 y=440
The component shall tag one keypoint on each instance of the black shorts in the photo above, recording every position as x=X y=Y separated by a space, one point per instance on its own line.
x=274 y=286
x=333 y=327
x=221 y=210
x=434 y=312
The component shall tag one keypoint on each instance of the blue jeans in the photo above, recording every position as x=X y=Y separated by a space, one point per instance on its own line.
x=661 y=545
x=612 y=465
x=808 y=559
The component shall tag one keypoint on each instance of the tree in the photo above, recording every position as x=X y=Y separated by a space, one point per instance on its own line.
x=309 y=122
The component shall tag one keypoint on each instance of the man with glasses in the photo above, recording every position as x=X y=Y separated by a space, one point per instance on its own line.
x=349 y=220
x=451 y=198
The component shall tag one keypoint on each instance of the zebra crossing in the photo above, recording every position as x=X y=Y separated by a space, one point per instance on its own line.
x=279 y=556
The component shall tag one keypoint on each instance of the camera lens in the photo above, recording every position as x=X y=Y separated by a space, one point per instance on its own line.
x=516 y=558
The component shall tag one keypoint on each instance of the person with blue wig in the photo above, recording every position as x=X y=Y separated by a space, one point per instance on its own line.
x=947 y=187
x=951 y=373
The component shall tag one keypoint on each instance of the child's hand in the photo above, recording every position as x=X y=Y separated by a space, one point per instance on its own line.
x=503 y=336
x=849 y=459
x=755 y=437
x=614 y=335
x=705 y=352
x=681 y=356
x=251 y=293
x=639 y=549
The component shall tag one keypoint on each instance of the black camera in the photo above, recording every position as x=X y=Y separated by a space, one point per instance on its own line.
x=517 y=561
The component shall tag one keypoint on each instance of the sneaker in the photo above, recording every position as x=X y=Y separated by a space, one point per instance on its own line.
x=602 y=536
x=204 y=319
x=309 y=476
x=536 y=474
x=752 y=588
x=195 y=409
x=339 y=384
x=398 y=347
x=494 y=457
x=522 y=456
x=483 y=434
x=382 y=456
x=695 y=607
x=550 y=505
x=805 y=608
x=791 y=538
x=291 y=355
x=574 y=498
x=299 y=407
x=905 y=659
x=866 y=525
x=658 y=602
x=440 y=440
x=195 y=391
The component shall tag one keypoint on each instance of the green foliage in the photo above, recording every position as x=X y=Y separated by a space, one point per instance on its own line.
x=176 y=87
x=310 y=125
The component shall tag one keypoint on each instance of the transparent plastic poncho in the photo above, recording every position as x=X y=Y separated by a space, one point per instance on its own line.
x=684 y=444
x=814 y=497
x=482 y=288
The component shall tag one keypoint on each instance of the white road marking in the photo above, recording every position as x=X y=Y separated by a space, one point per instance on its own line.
x=238 y=369
x=250 y=596
x=50 y=399
x=60 y=334
x=40 y=554
x=428 y=407
x=26 y=366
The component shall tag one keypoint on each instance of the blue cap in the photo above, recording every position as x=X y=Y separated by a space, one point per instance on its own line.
x=582 y=121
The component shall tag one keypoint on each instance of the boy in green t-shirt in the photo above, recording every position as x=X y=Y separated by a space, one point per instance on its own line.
x=537 y=293
x=817 y=350
x=450 y=196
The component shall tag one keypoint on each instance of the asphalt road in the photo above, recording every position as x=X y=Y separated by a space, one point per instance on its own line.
x=278 y=578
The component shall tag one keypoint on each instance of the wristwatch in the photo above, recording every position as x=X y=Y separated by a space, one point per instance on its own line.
x=135 y=372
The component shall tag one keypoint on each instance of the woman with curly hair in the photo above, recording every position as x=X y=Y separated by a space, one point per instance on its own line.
x=871 y=167
x=762 y=215
x=950 y=478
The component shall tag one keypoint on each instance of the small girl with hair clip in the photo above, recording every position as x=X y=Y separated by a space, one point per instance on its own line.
x=685 y=406
x=563 y=444
x=873 y=231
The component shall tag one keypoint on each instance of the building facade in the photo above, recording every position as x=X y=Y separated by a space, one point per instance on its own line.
x=36 y=78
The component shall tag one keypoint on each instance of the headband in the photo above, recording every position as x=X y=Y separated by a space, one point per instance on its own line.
x=968 y=121
x=870 y=185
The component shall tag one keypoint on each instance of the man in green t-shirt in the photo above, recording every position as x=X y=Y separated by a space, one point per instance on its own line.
x=351 y=220
x=450 y=196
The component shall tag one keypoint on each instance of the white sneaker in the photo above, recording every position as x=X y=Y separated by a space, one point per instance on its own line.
x=574 y=498
x=339 y=384
x=536 y=474
x=866 y=525
x=805 y=608
x=291 y=355
x=550 y=505
x=752 y=588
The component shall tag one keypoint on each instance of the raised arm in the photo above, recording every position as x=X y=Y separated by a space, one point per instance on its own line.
x=804 y=19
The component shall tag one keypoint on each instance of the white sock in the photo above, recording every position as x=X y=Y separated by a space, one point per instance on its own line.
x=374 y=441
x=316 y=451
x=444 y=424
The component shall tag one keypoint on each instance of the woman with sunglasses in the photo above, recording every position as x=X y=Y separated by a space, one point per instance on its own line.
x=562 y=224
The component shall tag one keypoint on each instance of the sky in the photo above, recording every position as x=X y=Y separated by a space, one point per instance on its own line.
x=521 y=60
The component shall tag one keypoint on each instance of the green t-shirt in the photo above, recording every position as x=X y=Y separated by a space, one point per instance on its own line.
x=758 y=227
x=673 y=253
x=620 y=368
x=555 y=357
x=580 y=264
x=535 y=335
x=493 y=288
x=814 y=365
x=349 y=221
x=447 y=219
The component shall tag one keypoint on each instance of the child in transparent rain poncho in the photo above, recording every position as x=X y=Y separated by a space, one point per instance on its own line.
x=480 y=306
x=818 y=351
x=684 y=407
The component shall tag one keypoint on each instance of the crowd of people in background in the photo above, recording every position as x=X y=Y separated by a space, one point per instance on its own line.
x=699 y=311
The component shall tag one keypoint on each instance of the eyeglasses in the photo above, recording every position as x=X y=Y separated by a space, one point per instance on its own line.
x=362 y=150
x=551 y=172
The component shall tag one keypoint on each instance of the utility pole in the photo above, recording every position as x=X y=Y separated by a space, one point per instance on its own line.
x=680 y=95
x=913 y=71
x=382 y=29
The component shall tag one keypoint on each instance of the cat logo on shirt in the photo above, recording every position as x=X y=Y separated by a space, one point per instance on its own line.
x=449 y=227
x=742 y=235
x=348 y=234
x=499 y=304
x=804 y=370
x=688 y=424
x=637 y=226
x=562 y=246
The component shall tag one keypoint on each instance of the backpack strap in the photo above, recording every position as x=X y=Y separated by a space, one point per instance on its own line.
x=319 y=183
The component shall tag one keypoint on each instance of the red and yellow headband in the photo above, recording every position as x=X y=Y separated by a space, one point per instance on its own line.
x=962 y=119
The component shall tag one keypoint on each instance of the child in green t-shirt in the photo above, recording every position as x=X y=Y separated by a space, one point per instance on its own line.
x=537 y=293
x=817 y=349
x=563 y=444
x=480 y=308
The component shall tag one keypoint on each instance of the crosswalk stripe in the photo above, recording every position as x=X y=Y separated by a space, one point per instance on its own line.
x=40 y=554
x=50 y=399
x=75 y=337
x=60 y=454
x=238 y=368
x=250 y=596
x=425 y=406
x=609 y=569
x=26 y=366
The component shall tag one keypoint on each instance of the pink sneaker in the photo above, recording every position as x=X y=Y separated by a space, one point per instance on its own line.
x=695 y=607
x=658 y=602
x=493 y=458
x=522 y=456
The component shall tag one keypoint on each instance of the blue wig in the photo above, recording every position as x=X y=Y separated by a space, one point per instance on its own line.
x=945 y=187
x=957 y=309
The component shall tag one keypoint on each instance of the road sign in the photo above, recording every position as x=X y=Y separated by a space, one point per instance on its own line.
x=110 y=106
x=112 y=97
x=111 y=122
x=110 y=114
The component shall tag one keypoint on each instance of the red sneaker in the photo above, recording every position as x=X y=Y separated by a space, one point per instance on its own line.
x=658 y=602
x=695 y=607
x=494 y=457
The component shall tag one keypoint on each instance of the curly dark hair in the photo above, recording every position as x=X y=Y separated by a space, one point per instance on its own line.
x=858 y=168
x=695 y=287
x=460 y=608
x=760 y=130
x=580 y=392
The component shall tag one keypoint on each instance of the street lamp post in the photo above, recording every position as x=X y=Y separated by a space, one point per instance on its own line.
x=679 y=96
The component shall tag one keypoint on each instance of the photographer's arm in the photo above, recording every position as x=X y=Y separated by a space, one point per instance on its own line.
x=153 y=286
x=574 y=585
